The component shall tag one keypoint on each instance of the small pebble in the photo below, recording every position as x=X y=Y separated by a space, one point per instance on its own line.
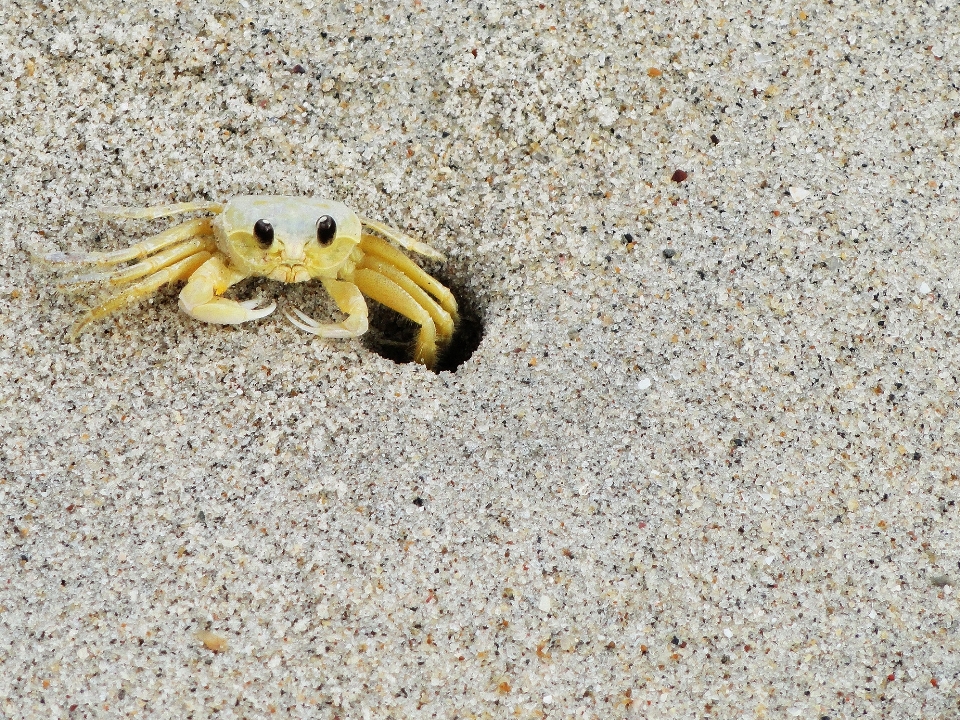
x=212 y=641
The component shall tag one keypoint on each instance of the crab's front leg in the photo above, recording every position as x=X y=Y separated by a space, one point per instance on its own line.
x=349 y=300
x=200 y=298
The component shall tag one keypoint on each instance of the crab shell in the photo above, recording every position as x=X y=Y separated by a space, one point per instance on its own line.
x=295 y=254
x=212 y=254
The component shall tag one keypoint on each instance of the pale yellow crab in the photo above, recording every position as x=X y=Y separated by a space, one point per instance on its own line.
x=289 y=239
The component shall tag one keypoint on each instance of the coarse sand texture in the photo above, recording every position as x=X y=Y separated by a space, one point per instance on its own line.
x=695 y=453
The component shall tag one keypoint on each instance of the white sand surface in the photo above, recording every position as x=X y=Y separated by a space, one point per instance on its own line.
x=709 y=470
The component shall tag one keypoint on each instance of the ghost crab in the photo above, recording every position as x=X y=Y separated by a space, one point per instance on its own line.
x=283 y=238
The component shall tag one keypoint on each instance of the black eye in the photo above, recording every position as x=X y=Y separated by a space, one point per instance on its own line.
x=326 y=230
x=263 y=232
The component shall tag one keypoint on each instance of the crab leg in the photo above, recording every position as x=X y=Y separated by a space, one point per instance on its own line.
x=350 y=301
x=159 y=211
x=441 y=318
x=176 y=234
x=386 y=291
x=404 y=241
x=147 y=267
x=142 y=289
x=200 y=298
x=375 y=246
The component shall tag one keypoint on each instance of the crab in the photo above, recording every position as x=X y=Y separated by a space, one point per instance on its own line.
x=290 y=239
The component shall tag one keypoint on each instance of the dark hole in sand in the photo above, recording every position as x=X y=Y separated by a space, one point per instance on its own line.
x=392 y=336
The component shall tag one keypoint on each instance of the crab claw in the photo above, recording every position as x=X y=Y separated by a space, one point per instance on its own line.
x=200 y=297
x=228 y=312
x=252 y=304
x=352 y=327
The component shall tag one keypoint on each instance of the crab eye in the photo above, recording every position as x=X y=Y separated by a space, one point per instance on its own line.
x=263 y=232
x=326 y=230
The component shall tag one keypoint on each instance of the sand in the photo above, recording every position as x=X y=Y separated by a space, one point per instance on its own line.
x=703 y=463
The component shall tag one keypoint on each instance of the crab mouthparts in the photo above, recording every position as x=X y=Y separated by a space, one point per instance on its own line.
x=290 y=274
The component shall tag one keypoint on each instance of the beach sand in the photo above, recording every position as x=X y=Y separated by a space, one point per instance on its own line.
x=703 y=462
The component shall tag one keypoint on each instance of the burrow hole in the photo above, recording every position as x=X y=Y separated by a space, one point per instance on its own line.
x=392 y=336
